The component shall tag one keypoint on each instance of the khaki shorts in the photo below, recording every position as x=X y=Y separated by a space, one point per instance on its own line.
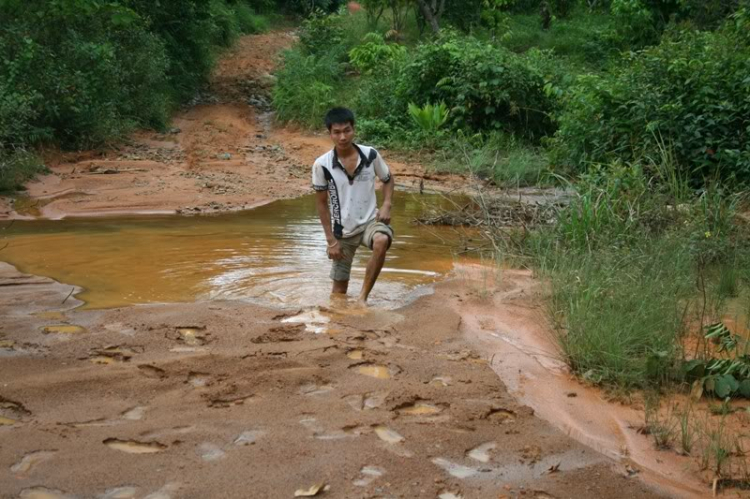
x=341 y=269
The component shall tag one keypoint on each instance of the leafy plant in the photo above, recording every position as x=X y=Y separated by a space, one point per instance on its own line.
x=727 y=375
x=374 y=53
x=429 y=118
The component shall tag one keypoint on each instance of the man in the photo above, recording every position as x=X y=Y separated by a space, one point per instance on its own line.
x=344 y=181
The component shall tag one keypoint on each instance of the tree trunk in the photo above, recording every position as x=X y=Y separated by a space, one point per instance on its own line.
x=431 y=13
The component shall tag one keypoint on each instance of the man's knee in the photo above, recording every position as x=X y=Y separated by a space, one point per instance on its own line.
x=380 y=243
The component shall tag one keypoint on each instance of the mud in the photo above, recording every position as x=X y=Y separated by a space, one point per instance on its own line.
x=269 y=418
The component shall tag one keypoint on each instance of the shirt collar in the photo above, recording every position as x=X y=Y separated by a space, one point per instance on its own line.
x=337 y=163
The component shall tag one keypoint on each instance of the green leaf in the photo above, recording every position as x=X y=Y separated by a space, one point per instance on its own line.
x=745 y=388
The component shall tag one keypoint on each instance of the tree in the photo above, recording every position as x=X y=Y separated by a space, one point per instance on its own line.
x=432 y=11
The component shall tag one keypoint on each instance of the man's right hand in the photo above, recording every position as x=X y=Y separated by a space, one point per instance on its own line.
x=335 y=252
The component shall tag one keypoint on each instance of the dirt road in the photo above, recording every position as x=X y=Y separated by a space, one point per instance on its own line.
x=226 y=399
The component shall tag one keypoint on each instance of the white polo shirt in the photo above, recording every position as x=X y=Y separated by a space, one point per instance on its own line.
x=352 y=199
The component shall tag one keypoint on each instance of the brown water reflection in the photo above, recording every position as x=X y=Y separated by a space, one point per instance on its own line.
x=273 y=255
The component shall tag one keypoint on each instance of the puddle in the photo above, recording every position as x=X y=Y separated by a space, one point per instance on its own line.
x=134 y=414
x=453 y=469
x=121 y=493
x=43 y=493
x=274 y=255
x=355 y=354
x=198 y=380
x=315 y=322
x=193 y=336
x=450 y=495
x=7 y=421
x=370 y=474
x=482 y=452
x=248 y=437
x=63 y=329
x=30 y=460
x=374 y=371
x=313 y=389
x=210 y=452
x=133 y=447
x=388 y=435
x=420 y=408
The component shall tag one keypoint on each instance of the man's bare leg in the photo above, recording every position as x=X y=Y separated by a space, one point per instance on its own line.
x=374 y=266
x=340 y=287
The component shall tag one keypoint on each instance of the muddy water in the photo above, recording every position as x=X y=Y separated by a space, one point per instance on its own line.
x=273 y=255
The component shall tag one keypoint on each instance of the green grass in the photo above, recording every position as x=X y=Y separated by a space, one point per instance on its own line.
x=16 y=168
x=577 y=38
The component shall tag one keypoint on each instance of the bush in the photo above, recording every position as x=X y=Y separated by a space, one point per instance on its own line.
x=690 y=91
x=486 y=87
x=305 y=87
x=16 y=168
x=374 y=55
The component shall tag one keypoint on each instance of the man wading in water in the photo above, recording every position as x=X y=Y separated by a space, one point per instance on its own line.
x=344 y=181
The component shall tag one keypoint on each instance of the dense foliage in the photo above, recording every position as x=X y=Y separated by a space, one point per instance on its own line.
x=692 y=91
x=79 y=72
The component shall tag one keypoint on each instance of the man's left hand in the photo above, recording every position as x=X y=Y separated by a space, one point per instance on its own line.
x=384 y=214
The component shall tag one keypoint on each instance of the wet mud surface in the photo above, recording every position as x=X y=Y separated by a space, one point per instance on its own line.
x=224 y=399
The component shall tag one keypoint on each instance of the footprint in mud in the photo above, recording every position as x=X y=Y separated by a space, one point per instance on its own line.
x=369 y=475
x=134 y=414
x=167 y=492
x=376 y=371
x=192 y=336
x=198 y=379
x=368 y=401
x=120 y=493
x=119 y=327
x=64 y=329
x=248 y=437
x=12 y=412
x=152 y=371
x=313 y=321
x=500 y=415
x=29 y=461
x=134 y=447
x=420 y=408
x=52 y=315
x=388 y=435
x=210 y=452
x=454 y=469
x=113 y=354
x=356 y=354
x=225 y=401
x=481 y=453
x=449 y=495
x=43 y=493
x=281 y=334
x=441 y=381
x=311 y=389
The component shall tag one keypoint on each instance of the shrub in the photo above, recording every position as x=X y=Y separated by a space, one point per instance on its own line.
x=16 y=168
x=321 y=34
x=486 y=87
x=305 y=87
x=373 y=55
x=691 y=91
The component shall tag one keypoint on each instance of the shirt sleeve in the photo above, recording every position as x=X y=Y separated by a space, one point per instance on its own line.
x=319 y=181
x=381 y=168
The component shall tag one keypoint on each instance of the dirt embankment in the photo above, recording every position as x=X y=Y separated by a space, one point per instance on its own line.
x=225 y=399
x=223 y=153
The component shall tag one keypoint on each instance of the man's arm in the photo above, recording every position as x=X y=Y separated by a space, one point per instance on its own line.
x=384 y=214
x=324 y=213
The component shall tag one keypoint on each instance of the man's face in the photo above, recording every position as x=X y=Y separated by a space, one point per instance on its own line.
x=342 y=134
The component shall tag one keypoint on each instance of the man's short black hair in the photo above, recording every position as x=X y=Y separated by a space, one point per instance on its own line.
x=338 y=116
